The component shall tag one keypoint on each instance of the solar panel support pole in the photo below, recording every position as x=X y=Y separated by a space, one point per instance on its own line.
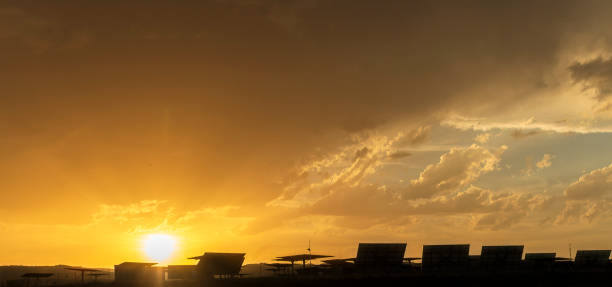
x=309 y=253
x=292 y=267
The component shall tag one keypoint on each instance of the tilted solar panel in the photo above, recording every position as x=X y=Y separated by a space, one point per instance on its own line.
x=500 y=258
x=220 y=263
x=446 y=257
x=501 y=254
x=380 y=253
x=540 y=256
x=592 y=257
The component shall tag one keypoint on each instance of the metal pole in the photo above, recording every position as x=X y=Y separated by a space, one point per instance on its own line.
x=309 y=253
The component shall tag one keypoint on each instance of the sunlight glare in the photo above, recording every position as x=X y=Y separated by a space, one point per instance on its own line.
x=159 y=247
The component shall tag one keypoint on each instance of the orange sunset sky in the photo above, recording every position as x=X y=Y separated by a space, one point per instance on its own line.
x=255 y=126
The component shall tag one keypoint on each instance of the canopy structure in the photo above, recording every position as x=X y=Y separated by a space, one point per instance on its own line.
x=300 y=257
x=346 y=261
x=83 y=270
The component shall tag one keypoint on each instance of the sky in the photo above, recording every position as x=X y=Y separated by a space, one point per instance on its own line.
x=256 y=126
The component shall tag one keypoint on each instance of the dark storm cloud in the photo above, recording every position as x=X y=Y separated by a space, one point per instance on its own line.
x=595 y=74
x=221 y=96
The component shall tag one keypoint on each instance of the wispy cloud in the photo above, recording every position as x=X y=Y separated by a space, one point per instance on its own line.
x=523 y=128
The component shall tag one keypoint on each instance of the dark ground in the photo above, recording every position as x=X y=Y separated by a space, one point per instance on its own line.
x=549 y=279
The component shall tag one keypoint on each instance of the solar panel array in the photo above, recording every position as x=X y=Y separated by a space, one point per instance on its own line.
x=539 y=262
x=587 y=258
x=501 y=258
x=220 y=263
x=446 y=257
x=540 y=256
x=380 y=254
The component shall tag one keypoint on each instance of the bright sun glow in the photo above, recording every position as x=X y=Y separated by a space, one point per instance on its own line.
x=159 y=247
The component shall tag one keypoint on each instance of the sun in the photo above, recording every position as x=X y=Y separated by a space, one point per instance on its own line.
x=159 y=247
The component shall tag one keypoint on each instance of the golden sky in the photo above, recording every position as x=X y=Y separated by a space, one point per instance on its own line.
x=255 y=126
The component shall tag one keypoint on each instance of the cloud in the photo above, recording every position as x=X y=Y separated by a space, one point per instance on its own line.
x=531 y=167
x=274 y=106
x=545 y=161
x=369 y=205
x=456 y=169
x=519 y=134
x=399 y=155
x=477 y=200
x=288 y=13
x=38 y=34
x=583 y=212
x=443 y=188
x=150 y=216
x=523 y=128
x=121 y=213
x=482 y=138
x=596 y=184
x=595 y=74
x=588 y=198
x=285 y=83
x=348 y=167
x=416 y=136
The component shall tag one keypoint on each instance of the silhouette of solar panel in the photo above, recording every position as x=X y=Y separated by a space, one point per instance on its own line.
x=592 y=258
x=501 y=258
x=540 y=256
x=212 y=263
x=449 y=258
x=539 y=262
x=380 y=254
